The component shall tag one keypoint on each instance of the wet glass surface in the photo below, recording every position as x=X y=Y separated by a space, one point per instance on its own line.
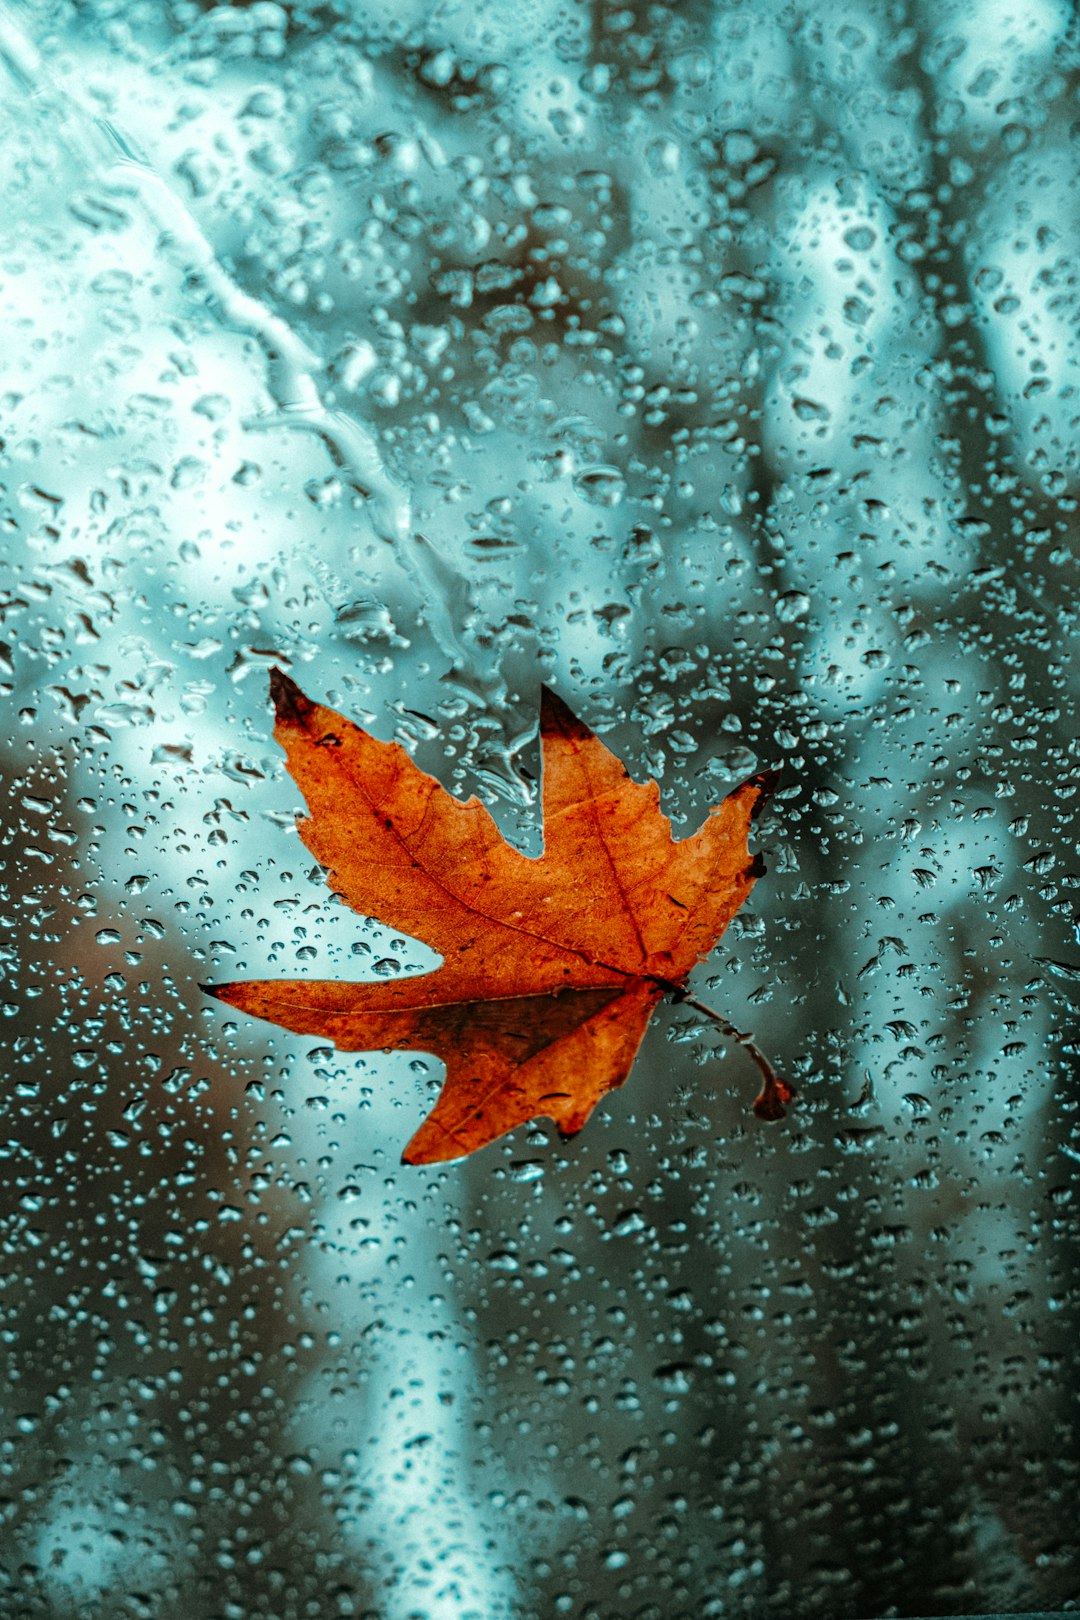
x=717 y=365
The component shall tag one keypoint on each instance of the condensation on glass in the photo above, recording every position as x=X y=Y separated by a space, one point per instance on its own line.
x=717 y=364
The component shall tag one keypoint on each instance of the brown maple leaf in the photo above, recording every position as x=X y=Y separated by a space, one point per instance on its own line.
x=551 y=967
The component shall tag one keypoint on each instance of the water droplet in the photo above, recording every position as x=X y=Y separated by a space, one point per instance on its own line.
x=600 y=485
x=792 y=605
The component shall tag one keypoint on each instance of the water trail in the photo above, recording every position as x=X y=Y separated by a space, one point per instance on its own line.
x=294 y=377
x=292 y=367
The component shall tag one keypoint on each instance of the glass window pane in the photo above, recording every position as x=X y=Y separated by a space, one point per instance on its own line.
x=717 y=366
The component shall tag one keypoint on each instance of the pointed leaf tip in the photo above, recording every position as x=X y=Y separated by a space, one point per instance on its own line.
x=556 y=717
x=288 y=700
x=767 y=783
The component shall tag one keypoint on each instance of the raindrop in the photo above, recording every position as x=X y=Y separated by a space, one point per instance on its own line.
x=792 y=605
x=600 y=485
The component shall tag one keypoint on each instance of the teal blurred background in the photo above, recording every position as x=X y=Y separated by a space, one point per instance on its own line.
x=717 y=364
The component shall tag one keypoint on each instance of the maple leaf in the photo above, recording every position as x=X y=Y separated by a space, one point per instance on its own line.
x=551 y=967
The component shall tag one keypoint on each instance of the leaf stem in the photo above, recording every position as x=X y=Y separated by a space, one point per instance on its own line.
x=775 y=1094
